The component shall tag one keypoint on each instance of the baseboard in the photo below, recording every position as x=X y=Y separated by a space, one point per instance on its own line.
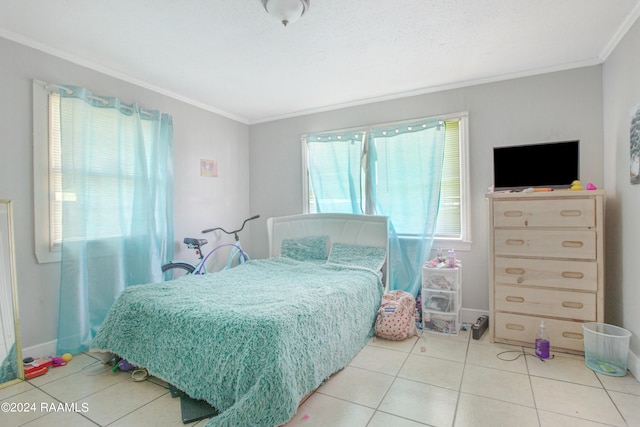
x=470 y=315
x=633 y=364
x=41 y=350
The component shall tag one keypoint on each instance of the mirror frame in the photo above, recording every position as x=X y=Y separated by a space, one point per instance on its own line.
x=14 y=292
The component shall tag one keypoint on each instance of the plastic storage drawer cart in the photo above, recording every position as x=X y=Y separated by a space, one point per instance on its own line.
x=441 y=300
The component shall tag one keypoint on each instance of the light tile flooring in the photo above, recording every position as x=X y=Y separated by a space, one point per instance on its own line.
x=433 y=381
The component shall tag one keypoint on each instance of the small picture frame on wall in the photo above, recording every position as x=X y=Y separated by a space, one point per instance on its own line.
x=208 y=168
x=634 y=152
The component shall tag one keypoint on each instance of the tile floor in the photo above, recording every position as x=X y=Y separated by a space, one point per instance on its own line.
x=433 y=381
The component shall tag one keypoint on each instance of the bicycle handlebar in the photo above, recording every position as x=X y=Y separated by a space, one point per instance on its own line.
x=234 y=232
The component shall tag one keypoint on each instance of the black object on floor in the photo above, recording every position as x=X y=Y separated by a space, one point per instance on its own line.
x=192 y=409
x=195 y=410
x=175 y=391
x=478 y=328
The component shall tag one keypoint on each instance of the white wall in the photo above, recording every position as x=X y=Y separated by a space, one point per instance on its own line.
x=621 y=87
x=199 y=202
x=551 y=107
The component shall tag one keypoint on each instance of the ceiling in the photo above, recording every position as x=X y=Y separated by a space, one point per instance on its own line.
x=232 y=58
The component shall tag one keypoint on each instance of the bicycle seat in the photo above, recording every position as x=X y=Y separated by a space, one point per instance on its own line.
x=195 y=242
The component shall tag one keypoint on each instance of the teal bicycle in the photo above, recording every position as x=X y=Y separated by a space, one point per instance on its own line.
x=236 y=256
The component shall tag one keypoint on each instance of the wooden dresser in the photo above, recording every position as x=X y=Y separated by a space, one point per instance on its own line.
x=546 y=263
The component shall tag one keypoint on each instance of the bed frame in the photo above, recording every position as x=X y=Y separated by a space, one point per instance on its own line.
x=310 y=343
x=371 y=230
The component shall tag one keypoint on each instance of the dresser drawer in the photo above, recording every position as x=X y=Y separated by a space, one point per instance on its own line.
x=513 y=328
x=578 y=244
x=573 y=213
x=546 y=302
x=579 y=275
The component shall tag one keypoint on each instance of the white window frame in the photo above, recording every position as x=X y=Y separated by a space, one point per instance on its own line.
x=463 y=243
x=47 y=232
x=45 y=252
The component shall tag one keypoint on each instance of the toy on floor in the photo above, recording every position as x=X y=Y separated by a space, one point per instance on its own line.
x=57 y=361
x=123 y=365
x=35 y=367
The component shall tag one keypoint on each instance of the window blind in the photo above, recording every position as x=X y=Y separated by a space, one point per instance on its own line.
x=449 y=216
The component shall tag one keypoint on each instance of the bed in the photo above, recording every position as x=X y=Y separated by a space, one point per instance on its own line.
x=254 y=340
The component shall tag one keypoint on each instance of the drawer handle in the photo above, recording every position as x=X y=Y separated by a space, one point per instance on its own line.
x=514 y=270
x=572 y=335
x=572 y=244
x=514 y=327
x=515 y=242
x=572 y=304
x=572 y=275
x=513 y=214
x=514 y=299
x=572 y=212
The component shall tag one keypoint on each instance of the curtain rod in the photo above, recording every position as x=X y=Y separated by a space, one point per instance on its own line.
x=97 y=98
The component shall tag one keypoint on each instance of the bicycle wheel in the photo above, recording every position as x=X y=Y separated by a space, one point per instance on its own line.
x=178 y=269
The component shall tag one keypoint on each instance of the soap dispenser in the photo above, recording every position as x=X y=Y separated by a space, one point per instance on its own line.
x=542 y=343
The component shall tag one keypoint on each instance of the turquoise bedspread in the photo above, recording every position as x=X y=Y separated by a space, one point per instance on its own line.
x=252 y=340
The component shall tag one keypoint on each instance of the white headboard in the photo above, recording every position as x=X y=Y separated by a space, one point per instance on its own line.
x=368 y=230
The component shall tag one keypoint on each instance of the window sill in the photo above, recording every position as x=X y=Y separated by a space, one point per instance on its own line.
x=455 y=244
x=46 y=256
x=444 y=243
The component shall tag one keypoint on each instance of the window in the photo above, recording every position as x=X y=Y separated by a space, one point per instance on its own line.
x=115 y=167
x=46 y=250
x=452 y=228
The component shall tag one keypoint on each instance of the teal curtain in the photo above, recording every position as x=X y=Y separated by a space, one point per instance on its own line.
x=335 y=163
x=116 y=168
x=405 y=175
x=396 y=171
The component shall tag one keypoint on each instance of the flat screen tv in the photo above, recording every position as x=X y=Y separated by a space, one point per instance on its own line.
x=553 y=164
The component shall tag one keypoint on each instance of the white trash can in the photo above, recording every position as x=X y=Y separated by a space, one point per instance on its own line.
x=606 y=348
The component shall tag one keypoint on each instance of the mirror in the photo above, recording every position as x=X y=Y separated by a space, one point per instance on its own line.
x=11 y=370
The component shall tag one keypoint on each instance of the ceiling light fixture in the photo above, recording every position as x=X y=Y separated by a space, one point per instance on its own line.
x=286 y=11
